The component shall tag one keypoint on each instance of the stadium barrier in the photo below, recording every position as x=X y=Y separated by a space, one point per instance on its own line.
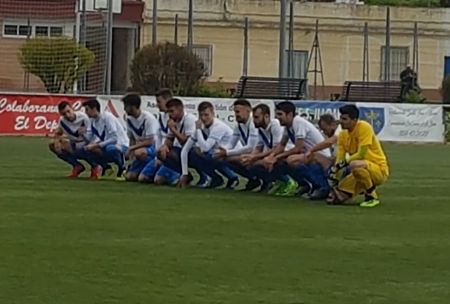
x=36 y=114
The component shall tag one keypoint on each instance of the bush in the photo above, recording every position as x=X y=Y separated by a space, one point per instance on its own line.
x=166 y=65
x=217 y=90
x=413 y=96
x=58 y=62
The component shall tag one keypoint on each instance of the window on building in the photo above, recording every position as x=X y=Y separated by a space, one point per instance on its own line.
x=299 y=65
x=41 y=31
x=399 y=58
x=10 y=30
x=56 y=31
x=25 y=30
x=205 y=53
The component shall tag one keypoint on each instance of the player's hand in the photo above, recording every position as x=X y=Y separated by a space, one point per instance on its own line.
x=247 y=159
x=57 y=146
x=82 y=131
x=338 y=166
x=163 y=151
x=91 y=147
x=129 y=154
x=198 y=124
x=269 y=162
x=309 y=155
x=220 y=153
x=172 y=125
x=184 y=181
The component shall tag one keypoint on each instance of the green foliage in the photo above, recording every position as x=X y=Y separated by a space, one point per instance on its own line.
x=166 y=65
x=410 y=3
x=217 y=90
x=413 y=96
x=447 y=123
x=445 y=90
x=58 y=62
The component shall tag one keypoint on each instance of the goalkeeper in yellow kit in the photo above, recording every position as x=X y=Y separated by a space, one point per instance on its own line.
x=361 y=164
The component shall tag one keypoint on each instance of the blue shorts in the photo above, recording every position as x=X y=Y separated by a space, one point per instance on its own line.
x=168 y=174
x=138 y=166
x=121 y=148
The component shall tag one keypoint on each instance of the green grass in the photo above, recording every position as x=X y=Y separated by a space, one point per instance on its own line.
x=64 y=241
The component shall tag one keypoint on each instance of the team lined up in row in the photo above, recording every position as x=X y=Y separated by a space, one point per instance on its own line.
x=285 y=156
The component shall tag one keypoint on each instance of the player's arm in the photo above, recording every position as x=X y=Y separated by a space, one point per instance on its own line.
x=327 y=143
x=184 y=156
x=233 y=140
x=189 y=130
x=297 y=149
x=111 y=134
x=59 y=133
x=248 y=148
x=280 y=147
x=205 y=145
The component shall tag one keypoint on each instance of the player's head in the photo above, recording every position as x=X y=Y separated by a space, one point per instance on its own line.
x=92 y=107
x=261 y=116
x=66 y=111
x=175 y=108
x=349 y=116
x=162 y=97
x=328 y=124
x=132 y=104
x=206 y=113
x=285 y=113
x=242 y=109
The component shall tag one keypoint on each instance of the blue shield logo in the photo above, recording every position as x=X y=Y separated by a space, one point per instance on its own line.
x=374 y=116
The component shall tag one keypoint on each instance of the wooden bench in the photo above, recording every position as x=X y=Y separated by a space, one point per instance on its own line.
x=383 y=91
x=271 y=88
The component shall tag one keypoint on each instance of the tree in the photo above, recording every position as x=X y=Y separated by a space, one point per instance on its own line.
x=58 y=62
x=166 y=65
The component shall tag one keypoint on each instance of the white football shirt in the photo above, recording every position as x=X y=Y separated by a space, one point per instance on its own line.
x=71 y=128
x=306 y=131
x=145 y=126
x=109 y=130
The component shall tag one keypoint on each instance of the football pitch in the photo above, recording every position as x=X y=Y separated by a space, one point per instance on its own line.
x=77 y=241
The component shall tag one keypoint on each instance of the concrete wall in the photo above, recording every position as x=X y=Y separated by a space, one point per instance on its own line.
x=220 y=22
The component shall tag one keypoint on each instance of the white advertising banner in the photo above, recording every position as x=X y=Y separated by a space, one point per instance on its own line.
x=223 y=106
x=391 y=122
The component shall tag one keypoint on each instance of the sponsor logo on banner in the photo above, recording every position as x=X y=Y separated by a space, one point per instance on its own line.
x=32 y=115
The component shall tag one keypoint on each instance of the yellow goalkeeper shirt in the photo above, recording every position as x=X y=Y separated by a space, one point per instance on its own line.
x=362 y=135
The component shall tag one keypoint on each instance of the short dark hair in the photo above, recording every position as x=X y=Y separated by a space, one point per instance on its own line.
x=132 y=99
x=242 y=102
x=327 y=118
x=351 y=110
x=92 y=104
x=286 y=107
x=204 y=105
x=263 y=108
x=164 y=92
x=174 y=102
x=62 y=105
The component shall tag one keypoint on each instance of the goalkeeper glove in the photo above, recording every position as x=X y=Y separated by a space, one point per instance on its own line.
x=340 y=165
